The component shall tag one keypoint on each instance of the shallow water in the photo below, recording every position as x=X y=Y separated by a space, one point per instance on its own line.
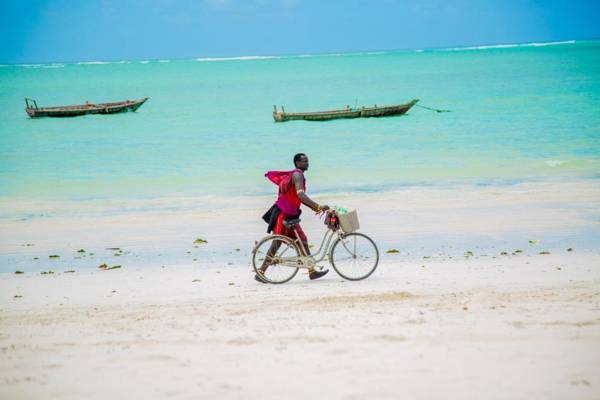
x=519 y=113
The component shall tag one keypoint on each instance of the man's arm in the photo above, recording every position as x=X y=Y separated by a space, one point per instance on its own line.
x=307 y=201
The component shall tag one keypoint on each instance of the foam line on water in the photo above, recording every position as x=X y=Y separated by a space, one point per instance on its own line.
x=241 y=58
x=509 y=45
x=93 y=63
x=307 y=55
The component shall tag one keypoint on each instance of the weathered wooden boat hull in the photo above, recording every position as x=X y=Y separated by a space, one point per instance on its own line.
x=364 y=112
x=374 y=112
x=316 y=116
x=84 y=109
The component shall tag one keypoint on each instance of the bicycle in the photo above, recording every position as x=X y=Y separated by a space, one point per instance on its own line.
x=354 y=256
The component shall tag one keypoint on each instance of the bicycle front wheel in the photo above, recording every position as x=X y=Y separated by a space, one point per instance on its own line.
x=354 y=256
x=277 y=257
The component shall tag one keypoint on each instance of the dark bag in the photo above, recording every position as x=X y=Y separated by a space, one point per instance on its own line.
x=271 y=216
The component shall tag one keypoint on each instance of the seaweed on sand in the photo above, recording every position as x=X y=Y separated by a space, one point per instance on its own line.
x=105 y=267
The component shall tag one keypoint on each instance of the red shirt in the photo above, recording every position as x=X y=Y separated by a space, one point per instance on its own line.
x=288 y=200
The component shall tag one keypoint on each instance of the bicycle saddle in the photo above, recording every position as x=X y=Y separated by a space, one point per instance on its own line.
x=288 y=223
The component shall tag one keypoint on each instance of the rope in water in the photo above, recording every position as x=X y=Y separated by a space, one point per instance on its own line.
x=433 y=109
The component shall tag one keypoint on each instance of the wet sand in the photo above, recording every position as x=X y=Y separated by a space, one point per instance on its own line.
x=419 y=221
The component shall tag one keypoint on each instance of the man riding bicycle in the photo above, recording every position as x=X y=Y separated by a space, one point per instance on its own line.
x=292 y=193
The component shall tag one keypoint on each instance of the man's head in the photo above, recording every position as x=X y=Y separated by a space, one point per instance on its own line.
x=301 y=161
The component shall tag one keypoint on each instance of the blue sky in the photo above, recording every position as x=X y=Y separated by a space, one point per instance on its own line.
x=62 y=30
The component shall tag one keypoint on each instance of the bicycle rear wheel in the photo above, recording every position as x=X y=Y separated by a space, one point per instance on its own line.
x=277 y=256
x=354 y=256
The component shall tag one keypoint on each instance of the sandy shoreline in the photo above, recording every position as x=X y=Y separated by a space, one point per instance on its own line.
x=429 y=323
x=422 y=221
x=526 y=327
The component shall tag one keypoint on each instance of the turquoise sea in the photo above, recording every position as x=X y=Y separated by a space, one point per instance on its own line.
x=519 y=112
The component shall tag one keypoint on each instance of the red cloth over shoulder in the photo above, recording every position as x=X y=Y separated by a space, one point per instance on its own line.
x=283 y=179
x=288 y=201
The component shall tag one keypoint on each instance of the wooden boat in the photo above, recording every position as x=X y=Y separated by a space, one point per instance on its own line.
x=34 y=111
x=363 y=112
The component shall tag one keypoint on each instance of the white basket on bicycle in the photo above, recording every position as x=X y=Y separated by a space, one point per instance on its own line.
x=349 y=222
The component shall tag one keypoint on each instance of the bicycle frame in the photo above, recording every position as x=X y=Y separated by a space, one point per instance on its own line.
x=310 y=260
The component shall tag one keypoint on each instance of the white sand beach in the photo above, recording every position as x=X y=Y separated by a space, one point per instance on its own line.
x=429 y=323
x=465 y=135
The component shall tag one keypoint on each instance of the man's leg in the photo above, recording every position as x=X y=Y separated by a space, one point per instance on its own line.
x=260 y=274
x=269 y=256
x=301 y=237
x=306 y=248
x=312 y=273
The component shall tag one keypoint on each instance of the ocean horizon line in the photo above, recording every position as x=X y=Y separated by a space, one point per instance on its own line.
x=485 y=46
